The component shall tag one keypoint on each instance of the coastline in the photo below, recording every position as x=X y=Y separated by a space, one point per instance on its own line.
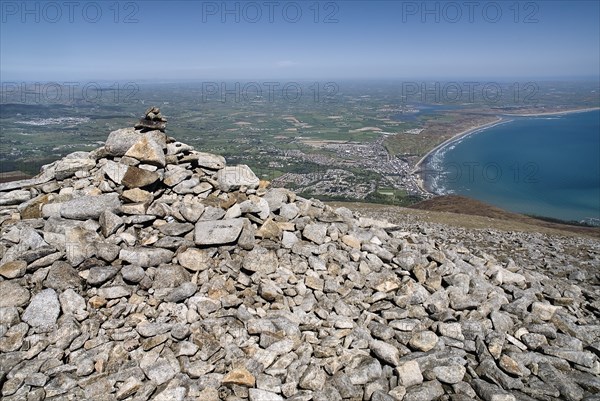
x=501 y=118
x=552 y=113
x=416 y=170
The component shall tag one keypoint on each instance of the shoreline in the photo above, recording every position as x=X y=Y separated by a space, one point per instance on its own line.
x=416 y=170
x=552 y=113
x=420 y=181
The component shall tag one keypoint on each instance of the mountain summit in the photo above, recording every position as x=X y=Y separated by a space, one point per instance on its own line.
x=146 y=269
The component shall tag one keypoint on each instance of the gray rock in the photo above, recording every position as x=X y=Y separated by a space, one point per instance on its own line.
x=368 y=370
x=209 y=160
x=71 y=303
x=13 y=338
x=409 y=374
x=217 y=232
x=114 y=292
x=289 y=239
x=147 y=150
x=568 y=389
x=423 y=341
x=43 y=310
x=150 y=329
x=80 y=244
x=385 y=352
x=175 y=174
x=257 y=205
x=197 y=259
x=13 y=294
x=172 y=243
x=191 y=211
x=313 y=378
x=110 y=223
x=276 y=198
x=188 y=186
x=449 y=374
x=260 y=260
x=491 y=392
x=180 y=331
x=171 y=394
x=72 y=163
x=582 y=358
x=543 y=311
x=13 y=269
x=181 y=293
x=46 y=175
x=115 y=171
x=137 y=177
x=428 y=391
x=90 y=207
x=170 y=276
x=263 y=395
x=159 y=370
x=233 y=178
x=107 y=251
x=128 y=388
x=176 y=229
x=119 y=141
x=146 y=257
x=99 y=275
x=212 y=213
x=381 y=396
x=132 y=273
x=315 y=232
x=62 y=276
x=268 y=290
x=289 y=211
x=341 y=382
x=14 y=197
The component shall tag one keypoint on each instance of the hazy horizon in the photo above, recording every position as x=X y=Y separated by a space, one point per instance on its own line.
x=345 y=40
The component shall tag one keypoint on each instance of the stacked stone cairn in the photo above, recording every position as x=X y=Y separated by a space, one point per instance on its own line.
x=152 y=120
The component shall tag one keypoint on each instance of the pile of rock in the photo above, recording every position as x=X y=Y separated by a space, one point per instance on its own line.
x=148 y=270
x=153 y=120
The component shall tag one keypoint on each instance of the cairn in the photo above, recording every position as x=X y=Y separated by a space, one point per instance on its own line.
x=152 y=120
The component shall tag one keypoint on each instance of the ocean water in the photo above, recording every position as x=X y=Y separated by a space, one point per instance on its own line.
x=545 y=166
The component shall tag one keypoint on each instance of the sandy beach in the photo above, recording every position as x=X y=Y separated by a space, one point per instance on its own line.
x=454 y=138
x=553 y=113
x=501 y=119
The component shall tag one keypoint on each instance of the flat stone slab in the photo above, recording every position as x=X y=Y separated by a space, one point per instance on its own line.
x=90 y=207
x=146 y=257
x=215 y=232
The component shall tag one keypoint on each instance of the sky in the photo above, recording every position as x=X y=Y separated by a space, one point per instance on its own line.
x=199 y=40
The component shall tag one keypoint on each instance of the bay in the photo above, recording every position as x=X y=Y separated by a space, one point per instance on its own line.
x=545 y=166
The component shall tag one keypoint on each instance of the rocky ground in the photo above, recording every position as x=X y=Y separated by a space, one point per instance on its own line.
x=149 y=270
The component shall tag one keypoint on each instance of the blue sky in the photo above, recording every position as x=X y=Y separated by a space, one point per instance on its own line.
x=137 y=40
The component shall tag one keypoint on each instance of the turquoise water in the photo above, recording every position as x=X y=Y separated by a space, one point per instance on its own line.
x=545 y=166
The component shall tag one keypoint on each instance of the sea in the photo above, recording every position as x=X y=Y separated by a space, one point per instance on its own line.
x=546 y=166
